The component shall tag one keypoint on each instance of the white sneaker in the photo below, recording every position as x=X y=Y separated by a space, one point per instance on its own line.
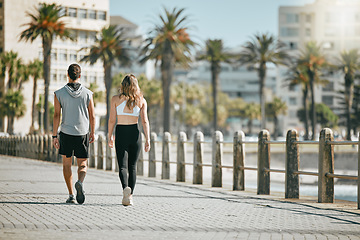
x=126 y=196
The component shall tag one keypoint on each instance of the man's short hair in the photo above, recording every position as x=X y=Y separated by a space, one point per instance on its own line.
x=74 y=71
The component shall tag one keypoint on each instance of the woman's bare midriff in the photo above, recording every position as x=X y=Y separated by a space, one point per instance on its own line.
x=126 y=120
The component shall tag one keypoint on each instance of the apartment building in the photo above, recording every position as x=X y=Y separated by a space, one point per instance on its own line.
x=335 y=25
x=85 y=18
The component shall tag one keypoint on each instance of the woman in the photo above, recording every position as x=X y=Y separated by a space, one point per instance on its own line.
x=126 y=107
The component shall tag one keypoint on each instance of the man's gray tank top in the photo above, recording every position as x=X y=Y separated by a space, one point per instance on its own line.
x=75 y=114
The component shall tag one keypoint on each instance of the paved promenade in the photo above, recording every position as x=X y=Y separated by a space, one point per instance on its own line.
x=32 y=196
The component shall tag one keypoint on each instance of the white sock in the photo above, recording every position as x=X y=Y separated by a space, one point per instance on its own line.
x=71 y=195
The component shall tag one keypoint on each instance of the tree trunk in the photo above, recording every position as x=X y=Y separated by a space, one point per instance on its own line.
x=32 y=129
x=167 y=70
x=2 y=93
x=313 y=110
x=250 y=126
x=108 y=83
x=262 y=76
x=215 y=71
x=46 y=69
x=305 y=103
x=275 y=127
x=349 y=95
x=10 y=125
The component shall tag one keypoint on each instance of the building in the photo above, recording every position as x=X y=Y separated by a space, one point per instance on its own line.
x=335 y=24
x=85 y=18
x=237 y=81
x=135 y=41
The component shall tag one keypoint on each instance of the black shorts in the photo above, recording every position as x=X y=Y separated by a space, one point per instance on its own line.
x=77 y=145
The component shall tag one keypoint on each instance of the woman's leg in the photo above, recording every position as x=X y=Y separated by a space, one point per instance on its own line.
x=134 y=151
x=121 y=155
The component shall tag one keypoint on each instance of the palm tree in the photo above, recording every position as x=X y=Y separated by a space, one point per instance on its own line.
x=46 y=23
x=12 y=106
x=274 y=109
x=170 y=43
x=258 y=52
x=7 y=60
x=215 y=55
x=313 y=60
x=36 y=71
x=251 y=112
x=349 y=63
x=98 y=96
x=297 y=75
x=108 y=48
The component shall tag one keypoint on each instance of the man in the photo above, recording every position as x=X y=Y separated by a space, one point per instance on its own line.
x=78 y=114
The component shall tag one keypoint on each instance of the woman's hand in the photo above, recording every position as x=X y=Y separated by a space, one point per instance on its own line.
x=111 y=141
x=147 y=146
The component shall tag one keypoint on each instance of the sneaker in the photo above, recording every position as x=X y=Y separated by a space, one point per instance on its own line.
x=131 y=200
x=70 y=200
x=126 y=196
x=80 y=193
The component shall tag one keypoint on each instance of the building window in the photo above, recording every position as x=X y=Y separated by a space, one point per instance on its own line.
x=308 y=18
x=82 y=13
x=329 y=87
x=330 y=32
x=72 y=12
x=92 y=79
x=292 y=87
x=308 y=32
x=289 y=32
x=73 y=57
x=101 y=15
x=328 y=45
x=292 y=101
x=92 y=14
x=82 y=36
x=62 y=11
x=63 y=55
x=328 y=100
x=293 y=45
x=292 y=114
x=292 y=18
x=62 y=77
x=53 y=56
x=53 y=77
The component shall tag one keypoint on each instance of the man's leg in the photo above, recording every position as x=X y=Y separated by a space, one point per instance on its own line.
x=82 y=167
x=80 y=193
x=67 y=173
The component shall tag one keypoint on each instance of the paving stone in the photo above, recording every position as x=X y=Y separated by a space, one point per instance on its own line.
x=33 y=194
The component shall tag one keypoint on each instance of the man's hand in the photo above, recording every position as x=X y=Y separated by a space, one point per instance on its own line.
x=56 y=143
x=91 y=138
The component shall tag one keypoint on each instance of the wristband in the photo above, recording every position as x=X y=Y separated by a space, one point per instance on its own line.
x=54 y=136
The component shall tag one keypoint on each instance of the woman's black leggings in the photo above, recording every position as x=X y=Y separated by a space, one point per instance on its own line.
x=127 y=145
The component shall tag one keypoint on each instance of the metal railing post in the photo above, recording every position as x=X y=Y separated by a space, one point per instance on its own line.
x=152 y=155
x=165 y=165
x=217 y=156
x=180 y=168
x=263 y=178
x=292 y=165
x=198 y=158
x=326 y=165
x=239 y=158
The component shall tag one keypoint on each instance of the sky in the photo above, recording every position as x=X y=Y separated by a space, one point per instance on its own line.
x=233 y=21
